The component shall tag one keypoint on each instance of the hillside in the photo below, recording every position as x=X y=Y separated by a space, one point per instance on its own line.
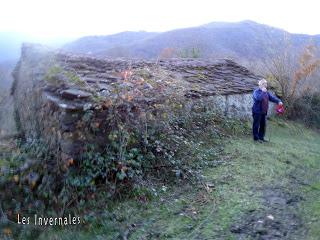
x=98 y=44
x=242 y=40
x=241 y=195
x=155 y=148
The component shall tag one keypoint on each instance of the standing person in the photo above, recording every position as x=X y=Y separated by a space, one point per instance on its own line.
x=261 y=98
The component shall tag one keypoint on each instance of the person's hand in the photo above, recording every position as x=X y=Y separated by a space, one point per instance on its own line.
x=280 y=103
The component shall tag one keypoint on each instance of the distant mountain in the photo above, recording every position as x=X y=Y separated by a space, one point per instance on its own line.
x=242 y=40
x=99 y=44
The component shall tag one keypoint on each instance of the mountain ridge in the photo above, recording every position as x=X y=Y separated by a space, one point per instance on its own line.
x=241 y=40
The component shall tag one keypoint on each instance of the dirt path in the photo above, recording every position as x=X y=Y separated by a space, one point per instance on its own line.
x=278 y=218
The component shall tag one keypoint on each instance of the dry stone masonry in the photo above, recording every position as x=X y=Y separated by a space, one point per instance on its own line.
x=53 y=91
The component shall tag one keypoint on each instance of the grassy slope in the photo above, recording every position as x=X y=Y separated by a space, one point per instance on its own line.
x=198 y=212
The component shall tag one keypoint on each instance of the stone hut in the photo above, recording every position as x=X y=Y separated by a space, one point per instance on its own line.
x=53 y=90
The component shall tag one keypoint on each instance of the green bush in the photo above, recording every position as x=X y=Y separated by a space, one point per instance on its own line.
x=155 y=136
x=306 y=109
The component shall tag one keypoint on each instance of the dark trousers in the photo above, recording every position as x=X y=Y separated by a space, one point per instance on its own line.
x=259 y=125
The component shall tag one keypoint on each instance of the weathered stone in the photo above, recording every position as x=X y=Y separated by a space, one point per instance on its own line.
x=69 y=117
x=65 y=104
x=74 y=94
x=59 y=108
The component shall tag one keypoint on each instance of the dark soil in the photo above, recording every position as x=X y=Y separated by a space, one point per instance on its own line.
x=276 y=220
x=278 y=217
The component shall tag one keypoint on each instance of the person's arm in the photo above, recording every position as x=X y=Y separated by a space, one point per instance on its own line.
x=274 y=99
x=258 y=95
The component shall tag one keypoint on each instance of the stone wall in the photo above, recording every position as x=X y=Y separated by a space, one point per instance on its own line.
x=53 y=105
x=237 y=105
x=27 y=93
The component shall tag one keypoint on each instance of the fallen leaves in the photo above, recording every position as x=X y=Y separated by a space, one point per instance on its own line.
x=7 y=232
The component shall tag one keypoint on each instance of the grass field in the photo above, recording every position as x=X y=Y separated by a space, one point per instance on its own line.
x=250 y=191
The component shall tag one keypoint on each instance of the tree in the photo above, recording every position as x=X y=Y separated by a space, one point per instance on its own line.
x=193 y=52
x=167 y=53
x=293 y=74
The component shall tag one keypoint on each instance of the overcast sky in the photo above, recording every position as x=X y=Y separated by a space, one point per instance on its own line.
x=74 y=18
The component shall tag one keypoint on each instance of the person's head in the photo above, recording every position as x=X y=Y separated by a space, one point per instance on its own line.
x=263 y=83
